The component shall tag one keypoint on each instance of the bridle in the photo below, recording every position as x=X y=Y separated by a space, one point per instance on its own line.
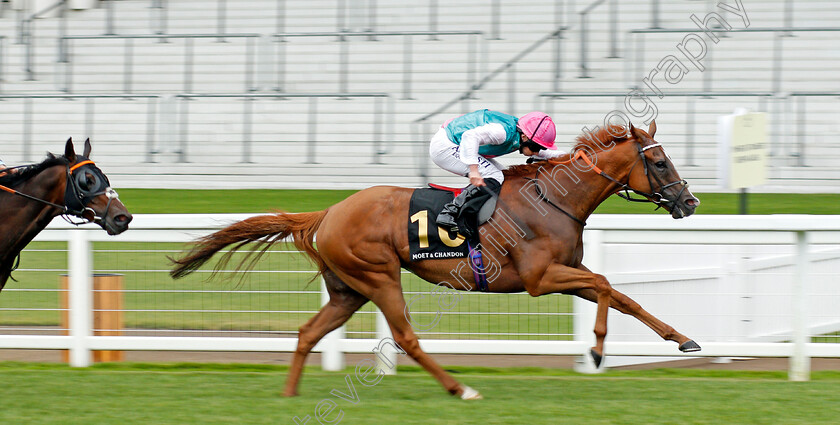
x=78 y=194
x=656 y=197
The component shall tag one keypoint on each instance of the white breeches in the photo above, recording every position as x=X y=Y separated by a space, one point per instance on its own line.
x=446 y=155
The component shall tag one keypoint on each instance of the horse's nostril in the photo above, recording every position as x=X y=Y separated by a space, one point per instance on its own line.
x=692 y=202
x=122 y=219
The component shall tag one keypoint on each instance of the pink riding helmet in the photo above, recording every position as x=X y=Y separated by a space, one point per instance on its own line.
x=538 y=127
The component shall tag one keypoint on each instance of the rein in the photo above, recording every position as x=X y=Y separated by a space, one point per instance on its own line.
x=545 y=199
x=15 y=192
x=654 y=197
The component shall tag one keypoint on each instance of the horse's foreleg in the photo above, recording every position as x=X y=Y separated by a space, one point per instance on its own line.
x=338 y=310
x=559 y=278
x=626 y=305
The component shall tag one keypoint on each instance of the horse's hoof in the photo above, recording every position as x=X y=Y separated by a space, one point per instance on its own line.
x=470 y=394
x=689 y=346
x=596 y=357
x=290 y=394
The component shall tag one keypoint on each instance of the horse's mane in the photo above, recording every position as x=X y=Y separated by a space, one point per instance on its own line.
x=593 y=141
x=25 y=173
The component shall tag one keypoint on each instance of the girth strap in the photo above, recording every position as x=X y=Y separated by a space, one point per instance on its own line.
x=477 y=266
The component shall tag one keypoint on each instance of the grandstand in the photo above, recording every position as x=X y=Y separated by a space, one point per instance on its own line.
x=346 y=93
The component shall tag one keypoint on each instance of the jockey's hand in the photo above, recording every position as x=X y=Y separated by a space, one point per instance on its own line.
x=476 y=179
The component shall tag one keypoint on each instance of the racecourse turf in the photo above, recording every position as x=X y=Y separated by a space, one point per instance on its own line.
x=249 y=394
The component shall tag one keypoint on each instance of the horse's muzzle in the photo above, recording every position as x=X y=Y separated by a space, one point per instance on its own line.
x=685 y=206
x=117 y=224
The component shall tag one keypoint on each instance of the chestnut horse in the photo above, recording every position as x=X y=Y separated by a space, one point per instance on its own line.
x=533 y=242
x=70 y=185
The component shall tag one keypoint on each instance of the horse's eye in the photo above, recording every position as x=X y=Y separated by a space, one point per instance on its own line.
x=87 y=182
x=660 y=164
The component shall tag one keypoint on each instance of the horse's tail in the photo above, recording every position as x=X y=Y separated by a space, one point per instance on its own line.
x=264 y=231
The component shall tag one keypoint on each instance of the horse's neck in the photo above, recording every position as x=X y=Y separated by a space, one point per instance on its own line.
x=21 y=219
x=584 y=189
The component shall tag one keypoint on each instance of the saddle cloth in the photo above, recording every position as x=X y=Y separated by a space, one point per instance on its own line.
x=428 y=241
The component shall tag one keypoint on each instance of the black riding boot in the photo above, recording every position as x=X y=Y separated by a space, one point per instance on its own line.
x=448 y=217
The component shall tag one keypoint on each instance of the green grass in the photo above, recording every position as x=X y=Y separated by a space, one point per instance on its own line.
x=172 y=201
x=224 y=394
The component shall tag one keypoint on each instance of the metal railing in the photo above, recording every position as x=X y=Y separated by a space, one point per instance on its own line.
x=250 y=56
x=779 y=32
x=343 y=8
x=655 y=13
x=159 y=17
x=159 y=13
x=344 y=55
x=584 y=33
x=800 y=99
x=26 y=34
x=690 y=117
x=29 y=112
x=508 y=66
x=2 y=59
x=421 y=125
x=312 y=120
x=4 y=5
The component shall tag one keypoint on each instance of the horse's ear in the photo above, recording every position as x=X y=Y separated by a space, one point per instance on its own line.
x=69 y=152
x=633 y=131
x=87 y=148
x=652 y=128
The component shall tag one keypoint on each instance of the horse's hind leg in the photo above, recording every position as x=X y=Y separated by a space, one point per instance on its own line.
x=344 y=301
x=384 y=290
x=392 y=304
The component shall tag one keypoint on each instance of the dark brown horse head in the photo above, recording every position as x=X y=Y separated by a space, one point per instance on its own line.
x=658 y=177
x=89 y=194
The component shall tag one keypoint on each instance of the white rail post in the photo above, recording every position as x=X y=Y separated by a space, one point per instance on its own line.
x=80 y=297
x=800 y=362
x=332 y=358
x=386 y=361
x=583 y=318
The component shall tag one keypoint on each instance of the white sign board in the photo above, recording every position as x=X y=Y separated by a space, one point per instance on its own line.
x=742 y=141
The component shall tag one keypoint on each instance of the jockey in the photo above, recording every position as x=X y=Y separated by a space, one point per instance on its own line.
x=466 y=145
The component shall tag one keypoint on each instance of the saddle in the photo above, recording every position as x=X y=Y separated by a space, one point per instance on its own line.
x=484 y=207
x=428 y=241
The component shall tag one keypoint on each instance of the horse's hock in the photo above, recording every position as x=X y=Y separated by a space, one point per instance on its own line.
x=107 y=313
